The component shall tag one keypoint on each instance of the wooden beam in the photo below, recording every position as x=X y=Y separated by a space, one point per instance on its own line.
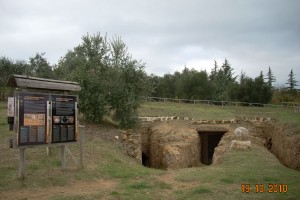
x=21 y=81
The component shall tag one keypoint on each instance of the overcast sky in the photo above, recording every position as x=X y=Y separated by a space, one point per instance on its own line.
x=165 y=34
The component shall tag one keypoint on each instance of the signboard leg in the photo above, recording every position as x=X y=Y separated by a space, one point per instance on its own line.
x=81 y=134
x=81 y=155
x=11 y=127
x=49 y=151
x=63 y=157
x=22 y=164
x=73 y=158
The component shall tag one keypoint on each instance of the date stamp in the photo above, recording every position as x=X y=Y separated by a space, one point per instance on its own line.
x=262 y=188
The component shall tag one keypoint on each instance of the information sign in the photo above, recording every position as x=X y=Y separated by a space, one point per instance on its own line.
x=46 y=118
x=64 y=118
x=32 y=118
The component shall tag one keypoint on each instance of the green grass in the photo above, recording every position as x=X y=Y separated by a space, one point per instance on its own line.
x=209 y=112
x=184 y=110
x=140 y=186
x=257 y=166
x=200 y=190
x=105 y=161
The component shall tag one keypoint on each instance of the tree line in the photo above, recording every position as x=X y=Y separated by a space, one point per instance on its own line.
x=222 y=84
x=113 y=83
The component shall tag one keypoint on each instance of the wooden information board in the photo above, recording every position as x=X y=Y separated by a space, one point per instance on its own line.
x=46 y=118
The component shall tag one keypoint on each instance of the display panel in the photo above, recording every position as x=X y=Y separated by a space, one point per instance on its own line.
x=64 y=118
x=56 y=133
x=32 y=118
x=46 y=118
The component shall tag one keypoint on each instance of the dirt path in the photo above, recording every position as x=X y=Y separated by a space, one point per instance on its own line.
x=78 y=188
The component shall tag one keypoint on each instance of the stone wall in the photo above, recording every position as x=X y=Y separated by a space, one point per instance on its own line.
x=211 y=121
x=132 y=144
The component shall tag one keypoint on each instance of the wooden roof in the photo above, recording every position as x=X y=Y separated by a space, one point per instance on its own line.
x=21 y=81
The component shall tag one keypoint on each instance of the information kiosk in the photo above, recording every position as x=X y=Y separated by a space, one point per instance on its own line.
x=45 y=114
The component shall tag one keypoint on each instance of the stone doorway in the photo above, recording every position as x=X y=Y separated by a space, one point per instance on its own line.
x=209 y=141
x=145 y=160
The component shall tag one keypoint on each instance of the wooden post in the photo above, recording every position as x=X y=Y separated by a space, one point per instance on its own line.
x=73 y=158
x=49 y=151
x=11 y=142
x=63 y=157
x=22 y=164
x=81 y=138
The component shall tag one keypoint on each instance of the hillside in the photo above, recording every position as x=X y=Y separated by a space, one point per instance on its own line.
x=110 y=173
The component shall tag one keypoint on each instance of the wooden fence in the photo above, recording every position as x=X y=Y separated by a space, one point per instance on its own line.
x=289 y=105
x=292 y=105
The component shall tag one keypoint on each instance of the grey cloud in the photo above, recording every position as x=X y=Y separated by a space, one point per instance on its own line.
x=165 y=34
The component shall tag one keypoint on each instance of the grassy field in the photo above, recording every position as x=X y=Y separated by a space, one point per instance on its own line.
x=110 y=174
x=203 y=111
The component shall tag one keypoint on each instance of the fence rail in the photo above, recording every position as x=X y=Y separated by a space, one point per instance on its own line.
x=292 y=105
x=289 y=105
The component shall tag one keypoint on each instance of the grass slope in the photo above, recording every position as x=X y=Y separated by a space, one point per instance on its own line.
x=203 y=111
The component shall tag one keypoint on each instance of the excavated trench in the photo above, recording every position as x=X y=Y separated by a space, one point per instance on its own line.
x=209 y=140
x=177 y=146
x=281 y=140
x=180 y=145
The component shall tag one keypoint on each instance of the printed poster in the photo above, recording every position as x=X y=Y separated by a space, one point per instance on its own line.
x=11 y=107
x=34 y=119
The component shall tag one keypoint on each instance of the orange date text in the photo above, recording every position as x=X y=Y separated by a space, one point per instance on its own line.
x=262 y=188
